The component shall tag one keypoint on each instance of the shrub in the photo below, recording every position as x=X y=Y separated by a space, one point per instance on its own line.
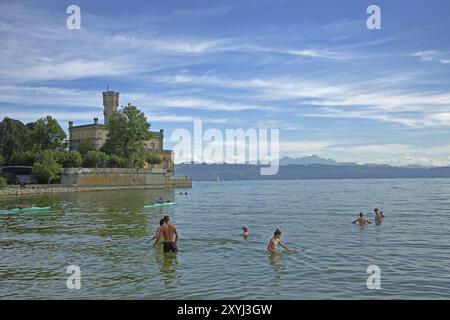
x=2 y=183
x=46 y=169
x=152 y=159
x=95 y=159
x=115 y=161
x=69 y=159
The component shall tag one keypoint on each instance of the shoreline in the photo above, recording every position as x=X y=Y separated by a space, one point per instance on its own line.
x=57 y=189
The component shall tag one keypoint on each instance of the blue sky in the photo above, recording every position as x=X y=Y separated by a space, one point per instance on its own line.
x=309 y=68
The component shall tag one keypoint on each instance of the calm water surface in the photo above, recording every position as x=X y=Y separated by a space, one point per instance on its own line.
x=107 y=235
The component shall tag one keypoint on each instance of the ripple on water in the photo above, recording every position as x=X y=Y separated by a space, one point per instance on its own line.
x=107 y=235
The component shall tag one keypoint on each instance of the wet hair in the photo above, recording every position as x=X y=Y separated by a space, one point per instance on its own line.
x=166 y=219
x=161 y=222
x=376 y=209
x=277 y=232
x=245 y=228
x=361 y=214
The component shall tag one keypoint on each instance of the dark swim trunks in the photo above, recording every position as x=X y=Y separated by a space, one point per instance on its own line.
x=170 y=247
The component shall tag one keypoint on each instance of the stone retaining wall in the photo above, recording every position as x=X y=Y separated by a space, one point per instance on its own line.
x=104 y=179
x=39 y=189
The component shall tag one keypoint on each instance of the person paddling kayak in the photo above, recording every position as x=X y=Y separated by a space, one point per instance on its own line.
x=24 y=206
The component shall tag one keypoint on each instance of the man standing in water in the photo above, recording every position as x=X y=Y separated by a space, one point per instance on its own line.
x=170 y=236
x=272 y=247
x=362 y=220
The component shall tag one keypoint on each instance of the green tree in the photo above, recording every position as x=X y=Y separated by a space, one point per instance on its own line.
x=26 y=158
x=2 y=160
x=152 y=159
x=13 y=137
x=69 y=159
x=46 y=169
x=114 y=161
x=46 y=134
x=128 y=130
x=85 y=146
x=3 y=183
x=95 y=159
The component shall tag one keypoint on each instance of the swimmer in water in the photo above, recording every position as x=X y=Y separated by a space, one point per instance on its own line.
x=245 y=232
x=362 y=220
x=275 y=241
x=379 y=216
x=160 y=200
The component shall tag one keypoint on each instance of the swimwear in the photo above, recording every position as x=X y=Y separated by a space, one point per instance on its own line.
x=170 y=247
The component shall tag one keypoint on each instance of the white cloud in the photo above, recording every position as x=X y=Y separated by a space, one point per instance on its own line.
x=432 y=55
x=69 y=70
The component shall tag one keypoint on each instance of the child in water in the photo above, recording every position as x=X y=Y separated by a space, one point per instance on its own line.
x=245 y=232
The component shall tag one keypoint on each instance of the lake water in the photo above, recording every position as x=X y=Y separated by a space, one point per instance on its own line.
x=107 y=235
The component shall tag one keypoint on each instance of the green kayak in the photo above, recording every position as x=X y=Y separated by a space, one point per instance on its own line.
x=159 y=205
x=31 y=209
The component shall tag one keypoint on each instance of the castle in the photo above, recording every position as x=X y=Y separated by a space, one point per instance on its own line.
x=97 y=133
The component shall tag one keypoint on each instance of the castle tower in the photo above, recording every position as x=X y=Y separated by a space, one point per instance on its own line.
x=110 y=103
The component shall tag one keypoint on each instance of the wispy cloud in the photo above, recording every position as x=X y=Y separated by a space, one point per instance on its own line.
x=368 y=99
x=210 y=62
x=433 y=55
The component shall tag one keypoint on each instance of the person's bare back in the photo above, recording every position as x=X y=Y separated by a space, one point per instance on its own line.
x=169 y=233
x=362 y=220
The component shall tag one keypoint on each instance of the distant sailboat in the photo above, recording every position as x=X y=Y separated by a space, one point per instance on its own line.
x=217 y=178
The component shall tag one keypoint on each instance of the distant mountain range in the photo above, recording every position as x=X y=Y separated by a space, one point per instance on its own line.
x=313 y=160
x=311 y=167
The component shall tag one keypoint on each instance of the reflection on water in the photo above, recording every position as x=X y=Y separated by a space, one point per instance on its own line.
x=167 y=263
x=277 y=265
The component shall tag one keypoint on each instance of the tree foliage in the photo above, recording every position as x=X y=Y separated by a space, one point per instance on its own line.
x=152 y=159
x=46 y=134
x=26 y=158
x=128 y=130
x=46 y=169
x=115 y=161
x=3 y=183
x=85 y=146
x=13 y=137
x=95 y=159
x=69 y=159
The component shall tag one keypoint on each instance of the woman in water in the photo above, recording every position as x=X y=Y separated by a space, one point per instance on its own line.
x=275 y=241
x=379 y=216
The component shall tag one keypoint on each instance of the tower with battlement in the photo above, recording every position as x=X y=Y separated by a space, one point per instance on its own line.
x=110 y=104
x=98 y=134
